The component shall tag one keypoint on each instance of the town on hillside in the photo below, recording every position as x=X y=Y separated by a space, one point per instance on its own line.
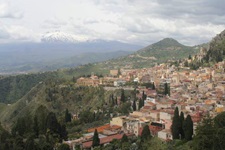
x=196 y=93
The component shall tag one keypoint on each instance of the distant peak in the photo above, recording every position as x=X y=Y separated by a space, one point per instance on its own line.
x=58 y=36
x=168 y=42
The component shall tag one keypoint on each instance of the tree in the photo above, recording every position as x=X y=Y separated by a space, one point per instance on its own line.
x=42 y=113
x=116 y=101
x=144 y=96
x=205 y=135
x=140 y=104
x=220 y=120
x=175 y=127
x=134 y=105
x=145 y=133
x=86 y=116
x=166 y=89
x=189 y=57
x=96 y=140
x=124 y=138
x=20 y=127
x=52 y=123
x=35 y=126
x=64 y=147
x=181 y=127
x=67 y=116
x=122 y=97
x=112 y=101
x=18 y=144
x=153 y=85
x=30 y=144
x=188 y=128
x=62 y=132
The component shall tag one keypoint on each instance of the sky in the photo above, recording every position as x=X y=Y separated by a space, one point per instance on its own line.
x=141 y=22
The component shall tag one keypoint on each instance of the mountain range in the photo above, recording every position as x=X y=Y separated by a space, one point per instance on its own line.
x=54 y=51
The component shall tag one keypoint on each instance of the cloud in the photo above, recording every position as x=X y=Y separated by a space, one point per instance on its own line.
x=134 y=21
x=4 y=34
x=54 y=23
x=7 y=12
x=14 y=33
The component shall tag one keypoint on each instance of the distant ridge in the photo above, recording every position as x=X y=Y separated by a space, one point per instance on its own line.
x=162 y=51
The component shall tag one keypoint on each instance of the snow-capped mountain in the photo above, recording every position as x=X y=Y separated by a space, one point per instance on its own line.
x=62 y=37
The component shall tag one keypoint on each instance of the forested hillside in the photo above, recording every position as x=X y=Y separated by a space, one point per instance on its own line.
x=13 y=88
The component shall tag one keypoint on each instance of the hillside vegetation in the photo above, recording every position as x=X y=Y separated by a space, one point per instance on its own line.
x=13 y=88
x=162 y=51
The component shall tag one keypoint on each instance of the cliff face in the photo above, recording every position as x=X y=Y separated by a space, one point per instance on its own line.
x=216 y=49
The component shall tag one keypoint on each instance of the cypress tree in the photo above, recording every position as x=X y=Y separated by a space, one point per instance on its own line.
x=189 y=57
x=122 y=98
x=116 y=101
x=181 y=127
x=35 y=126
x=96 y=140
x=140 y=104
x=67 y=116
x=134 y=105
x=42 y=113
x=166 y=89
x=175 y=127
x=124 y=138
x=144 y=96
x=153 y=86
x=112 y=101
x=188 y=128
x=62 y=132
x=145 y=133
x=52 y=123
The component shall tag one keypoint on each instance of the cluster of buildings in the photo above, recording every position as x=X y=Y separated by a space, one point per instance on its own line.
x=194 y=92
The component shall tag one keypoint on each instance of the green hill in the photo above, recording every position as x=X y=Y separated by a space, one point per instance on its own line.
x=162 y=51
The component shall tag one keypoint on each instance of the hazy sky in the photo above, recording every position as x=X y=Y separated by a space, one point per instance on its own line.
x=135 y=21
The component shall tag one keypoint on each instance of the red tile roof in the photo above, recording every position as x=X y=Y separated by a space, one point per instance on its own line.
x=104 y=140
x=104 y=127
x=99 y=129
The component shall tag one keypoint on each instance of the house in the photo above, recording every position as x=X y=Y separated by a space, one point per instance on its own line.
x=154 y=114
x=165 y=134
x=88 y=81
x=119 y=121
x=166 y=114
x=119 y=82
x=131 y=126
x=114 y=72
x=167 y=123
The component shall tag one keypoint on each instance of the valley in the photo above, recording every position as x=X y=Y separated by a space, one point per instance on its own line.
x=117 y=99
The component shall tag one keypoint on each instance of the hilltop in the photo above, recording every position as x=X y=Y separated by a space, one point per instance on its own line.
x=159 y=52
